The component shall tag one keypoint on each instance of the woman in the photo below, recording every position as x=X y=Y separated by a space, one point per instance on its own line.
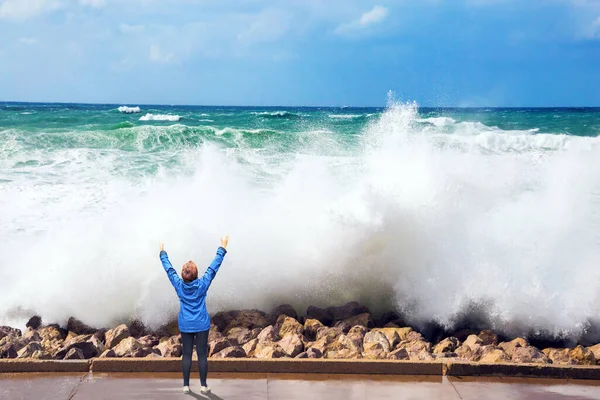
x=194 y=322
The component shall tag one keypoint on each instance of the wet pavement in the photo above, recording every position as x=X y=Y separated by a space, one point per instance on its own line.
x=281 y=386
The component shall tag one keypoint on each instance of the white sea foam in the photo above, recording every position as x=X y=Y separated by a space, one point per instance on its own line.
x=344 y=116
x=129 y=110
x=160 y=117
x=437 y=121
x=420 y=219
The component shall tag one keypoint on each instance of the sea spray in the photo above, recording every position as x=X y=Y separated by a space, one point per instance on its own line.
x=429 y=219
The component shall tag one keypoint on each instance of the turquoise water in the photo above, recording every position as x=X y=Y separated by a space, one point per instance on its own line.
x=426 y=211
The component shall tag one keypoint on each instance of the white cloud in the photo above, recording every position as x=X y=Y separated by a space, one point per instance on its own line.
x=93 y=3
x=125 y=28
x=21 y=9
x=267 y=26
x=28 y=41
x=157 y=55
x=377 y=14
x=374 y=16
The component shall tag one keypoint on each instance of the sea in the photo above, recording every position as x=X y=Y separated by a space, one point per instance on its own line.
x=439 y=214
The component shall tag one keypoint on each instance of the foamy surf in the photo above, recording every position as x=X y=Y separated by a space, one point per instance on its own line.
x=129 y=110
x=160 y=117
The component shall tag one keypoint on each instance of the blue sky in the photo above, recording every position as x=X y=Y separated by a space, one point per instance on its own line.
x=302 y=52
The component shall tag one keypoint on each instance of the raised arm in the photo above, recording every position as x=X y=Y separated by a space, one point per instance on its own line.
x=171 y=273
x=212 y=269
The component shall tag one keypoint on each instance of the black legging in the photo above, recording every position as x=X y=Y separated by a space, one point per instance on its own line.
x=201 y=350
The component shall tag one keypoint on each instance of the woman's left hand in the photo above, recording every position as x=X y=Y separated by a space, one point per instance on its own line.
x=162 y=246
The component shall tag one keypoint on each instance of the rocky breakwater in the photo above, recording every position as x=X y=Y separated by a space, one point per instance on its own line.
x=345 y=332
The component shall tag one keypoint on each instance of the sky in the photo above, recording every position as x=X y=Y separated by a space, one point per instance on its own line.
x=465 y=53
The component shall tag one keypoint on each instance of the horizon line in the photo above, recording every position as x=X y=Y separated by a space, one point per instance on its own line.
x=286 y=106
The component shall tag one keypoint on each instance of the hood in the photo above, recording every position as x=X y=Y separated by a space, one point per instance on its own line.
x=190 y=287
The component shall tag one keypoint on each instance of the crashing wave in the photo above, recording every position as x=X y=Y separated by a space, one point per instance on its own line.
x=129 y=110
x=160 y=117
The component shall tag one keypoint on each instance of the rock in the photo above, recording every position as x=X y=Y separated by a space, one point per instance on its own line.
x=463 y=334
x=332 y=333
x=510 y=347
x=578 y=356
x=391 y=334
x=302 y=355
x=321 y=344
x=154 y=355
x=466 y=353
x=291 y=344
x=29 y=349
x=360 y=319
x=314 y=353
x=321 y=315
x=231 y=352
x=248 y=319
x=399 y=354
x=472 y=341
x=354 y=343
x=116 y=335
x=447 y=345
x=218 y=345
x=171 y=347
x=357 y=335
x=240 y=336
x=311 y=326
x=284 y=309
x=268 y=350
x=347 y=311
x=34 y=322
x=89 y=345
x=582 y=356
x=288 y=326
x=41 y=355
x=596 y=350
x=149 y=340
x=488 y=338
x=8 y=331
x=74 y=354
x=130 y=347
x=250 y=347
x=375 y=354
x=51 y=332
x=223 y=318
x=17 y=341
x=376 y=340
x=344 y=354
x=137 y=329
x=214 y=334
x=418 y=350
x=389 y=317
x=528 y=354
x=8 y=350
x=495 y=356
x=108 y=354
x=78 y=327
x=31 y=336
x=268 y=334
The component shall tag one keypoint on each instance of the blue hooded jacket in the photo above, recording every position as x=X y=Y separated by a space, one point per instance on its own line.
x=193 y=316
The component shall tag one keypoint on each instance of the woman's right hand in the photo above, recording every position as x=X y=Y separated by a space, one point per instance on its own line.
x=225 y=241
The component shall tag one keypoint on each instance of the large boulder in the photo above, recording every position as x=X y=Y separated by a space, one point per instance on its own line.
x=223 y=318
x=288 y=326
x=116 y=335
x=472 y=341
x=363 y=319
x=494 y=356
x=52 y=332
x=284 y=309
x=8 y=350
x=268 y=350
x=347 y=311
x=74 y=354
x=376 y=340
x=596 y=350
x=510 y=347
x=354 y=343
x=218 y=345
x=248 y=319
x=418 y=349
x=529 y=354
x=34 y=322
x=171 y=347
x=291 y=344
x=447 y=345
x=488 y=338
x=391 y=334
x=391 y=319
x=78 y=327
x=149 y=340
x=108 y=354
x=250 y=347
x=7 y=330
x=41 y=355
x=240 y=336
x=344 y=354
x=399 y=354
x=130 y=347
x=231 y=352
x=268 y=334
x=311 y=327
x=89 y=345
x=323 y=316
x=578 y=356
x=29 y=349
